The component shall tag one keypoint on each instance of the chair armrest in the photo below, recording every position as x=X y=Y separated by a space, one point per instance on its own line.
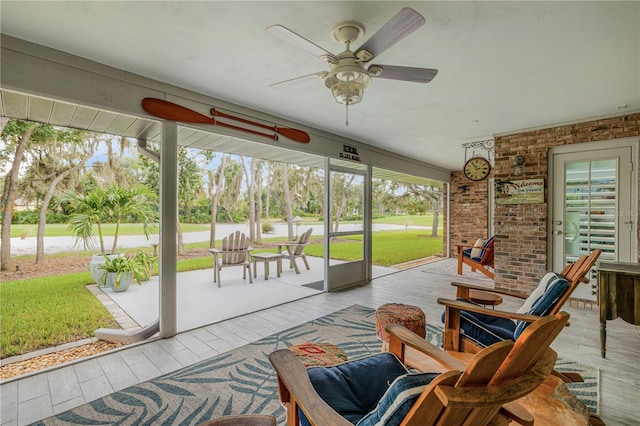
x=215 y=250
x=489 y=290
x=458 y=305
x=295 y=387
x=399 y=336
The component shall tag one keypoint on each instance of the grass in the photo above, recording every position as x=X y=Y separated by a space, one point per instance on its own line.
x=108 y=229
x=412 y=220
x=43 y=312
x=389 y=247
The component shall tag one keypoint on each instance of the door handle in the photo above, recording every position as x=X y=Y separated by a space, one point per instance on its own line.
x=558 y=232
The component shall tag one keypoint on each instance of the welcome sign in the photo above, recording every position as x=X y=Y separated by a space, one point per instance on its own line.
x=528 y=191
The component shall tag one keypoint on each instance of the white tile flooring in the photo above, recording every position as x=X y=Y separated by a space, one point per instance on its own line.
x=33 y=398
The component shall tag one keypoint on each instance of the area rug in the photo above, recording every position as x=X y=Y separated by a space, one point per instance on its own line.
x=242 y=381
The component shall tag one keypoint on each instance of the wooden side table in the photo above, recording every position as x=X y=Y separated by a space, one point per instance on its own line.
x=618 y=295
x=266 y=258
x=485 y=298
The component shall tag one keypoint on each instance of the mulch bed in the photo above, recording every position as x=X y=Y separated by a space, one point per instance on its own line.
x=49 y=360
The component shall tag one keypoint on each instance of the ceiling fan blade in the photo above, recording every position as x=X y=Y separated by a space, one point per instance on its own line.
x=394 y=72
x=394 y=30
x=297 y=40
x=320 y=74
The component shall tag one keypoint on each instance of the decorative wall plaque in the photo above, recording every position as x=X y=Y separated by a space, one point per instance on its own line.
x=528 y=191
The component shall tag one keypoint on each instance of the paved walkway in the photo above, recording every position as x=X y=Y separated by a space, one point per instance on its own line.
x=27 y=246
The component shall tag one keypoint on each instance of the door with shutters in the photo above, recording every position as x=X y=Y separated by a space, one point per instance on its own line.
x=593 y=205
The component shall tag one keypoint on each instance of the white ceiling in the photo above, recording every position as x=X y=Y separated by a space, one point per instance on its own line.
x=503 y=66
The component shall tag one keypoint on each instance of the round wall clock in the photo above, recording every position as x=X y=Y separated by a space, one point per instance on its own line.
x=477 y=168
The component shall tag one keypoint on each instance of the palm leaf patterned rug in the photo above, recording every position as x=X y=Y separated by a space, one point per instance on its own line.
x=242 y=381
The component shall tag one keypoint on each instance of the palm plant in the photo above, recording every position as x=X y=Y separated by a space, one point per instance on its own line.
x=87 y=210
x=135 y=202
x=113 y=204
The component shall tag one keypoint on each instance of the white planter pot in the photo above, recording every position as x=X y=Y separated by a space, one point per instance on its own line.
x=123 y=285
x=98 y=259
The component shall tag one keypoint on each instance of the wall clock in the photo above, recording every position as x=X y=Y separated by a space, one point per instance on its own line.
x=477 y=168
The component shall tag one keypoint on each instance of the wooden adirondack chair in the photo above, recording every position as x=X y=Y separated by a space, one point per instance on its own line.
x=295 y=249
x=480 y=262
x=494 y=377
x=234 y=252
x=455 y=340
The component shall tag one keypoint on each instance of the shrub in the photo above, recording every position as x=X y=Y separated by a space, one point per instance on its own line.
x=267 y=227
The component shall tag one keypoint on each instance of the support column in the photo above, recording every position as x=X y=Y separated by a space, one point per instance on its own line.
x=168 y=227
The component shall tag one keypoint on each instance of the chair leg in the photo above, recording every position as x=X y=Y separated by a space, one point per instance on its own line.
x=250 y=277
x=218 y=274
x=304 y=258
x=295 y=265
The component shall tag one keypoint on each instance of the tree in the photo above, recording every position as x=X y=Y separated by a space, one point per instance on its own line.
x=341 y=189
x=80 y=152
x=427 y=194
x=258 y=175
x=216 y=189
x=16 y=136
x=250 y=178
x=231 y=194
x=9 y=197
x=287 y=199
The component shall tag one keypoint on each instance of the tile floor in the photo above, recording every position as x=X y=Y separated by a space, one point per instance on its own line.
x=33 y=398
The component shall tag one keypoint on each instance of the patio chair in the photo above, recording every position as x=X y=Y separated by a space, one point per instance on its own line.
x=295 y=249
x=234 y=252
x=469 y=327
x=472 y=393
x=479 y=257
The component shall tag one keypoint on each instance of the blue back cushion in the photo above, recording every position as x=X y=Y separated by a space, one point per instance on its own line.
x=354 y=388
x=556 y=287
x=398 y=400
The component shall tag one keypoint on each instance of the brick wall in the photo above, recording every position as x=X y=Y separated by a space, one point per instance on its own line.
x=521 y=230
x=469 y=211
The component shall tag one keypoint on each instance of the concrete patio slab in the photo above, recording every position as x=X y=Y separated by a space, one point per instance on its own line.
x=200 y=301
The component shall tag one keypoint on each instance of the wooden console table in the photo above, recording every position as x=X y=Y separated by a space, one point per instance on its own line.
x=618 y=295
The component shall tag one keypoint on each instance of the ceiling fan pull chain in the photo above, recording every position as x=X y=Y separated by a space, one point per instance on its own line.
x=346 y=121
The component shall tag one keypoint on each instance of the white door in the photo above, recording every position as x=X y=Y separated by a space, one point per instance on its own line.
x=593 y=206
x=346 y=190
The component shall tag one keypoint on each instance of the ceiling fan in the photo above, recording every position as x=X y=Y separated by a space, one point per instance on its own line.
x=347 y=76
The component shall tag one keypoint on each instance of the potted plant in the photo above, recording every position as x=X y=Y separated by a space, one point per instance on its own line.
x=119 y=272
x=102 y=205
x=148 y=262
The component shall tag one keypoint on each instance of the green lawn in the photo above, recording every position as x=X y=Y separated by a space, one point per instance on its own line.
x=43 y=312
x=389 y=247
x=411 y=220
x=108 y=229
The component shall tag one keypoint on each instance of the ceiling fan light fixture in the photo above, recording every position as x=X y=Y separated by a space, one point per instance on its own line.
x=347 y=92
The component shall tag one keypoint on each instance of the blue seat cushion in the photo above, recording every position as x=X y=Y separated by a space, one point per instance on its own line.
x=482 y=329
x=557 y=285
x=354 y=388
